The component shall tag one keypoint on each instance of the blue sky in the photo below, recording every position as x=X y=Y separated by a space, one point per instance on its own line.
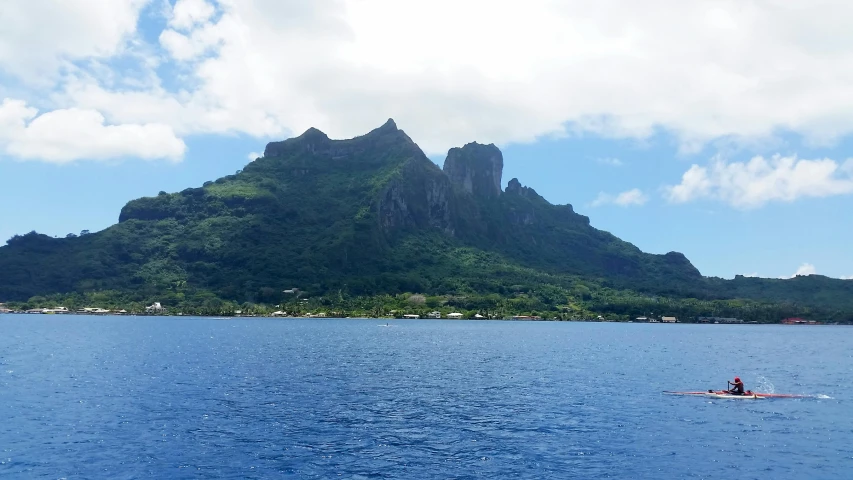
x=721 y=131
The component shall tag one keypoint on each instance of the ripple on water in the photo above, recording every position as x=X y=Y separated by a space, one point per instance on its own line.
x=189 y=398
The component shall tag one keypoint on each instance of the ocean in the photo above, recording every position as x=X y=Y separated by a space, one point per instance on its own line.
x=182 y=397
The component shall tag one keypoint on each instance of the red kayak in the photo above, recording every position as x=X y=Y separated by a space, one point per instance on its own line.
x=749 y=394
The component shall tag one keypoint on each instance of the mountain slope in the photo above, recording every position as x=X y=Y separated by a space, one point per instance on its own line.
x=367 y=215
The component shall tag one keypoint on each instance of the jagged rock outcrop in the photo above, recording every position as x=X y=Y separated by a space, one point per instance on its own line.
x=514 y=187
x=476 y=168
x=318 y=143
x=313 y=141
x=527 y=216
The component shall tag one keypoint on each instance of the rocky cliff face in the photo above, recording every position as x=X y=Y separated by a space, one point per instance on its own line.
x=476 y=168
x=418 y=198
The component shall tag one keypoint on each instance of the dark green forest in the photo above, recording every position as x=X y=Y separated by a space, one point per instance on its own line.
x=371 y=226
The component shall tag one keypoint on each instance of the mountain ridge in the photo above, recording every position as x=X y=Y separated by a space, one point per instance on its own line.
x=367 y=215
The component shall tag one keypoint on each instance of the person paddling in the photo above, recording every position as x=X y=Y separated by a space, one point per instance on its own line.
x=738 y=387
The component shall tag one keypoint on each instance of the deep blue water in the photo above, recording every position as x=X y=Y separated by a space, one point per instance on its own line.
x=110 y=397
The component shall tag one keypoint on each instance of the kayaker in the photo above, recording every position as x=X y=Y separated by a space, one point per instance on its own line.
x=738 y=387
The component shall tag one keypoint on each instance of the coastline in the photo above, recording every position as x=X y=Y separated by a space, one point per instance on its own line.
x=317 y=317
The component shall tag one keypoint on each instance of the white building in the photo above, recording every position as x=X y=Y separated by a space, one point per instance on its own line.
x=55 y=310
x=455 y=315
x=155 y=308
x=434 y=315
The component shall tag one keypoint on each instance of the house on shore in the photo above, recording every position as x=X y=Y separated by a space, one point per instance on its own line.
x=411 y=316
x=434 y=315
x=454 y=315
x=93 y=311
x=719 y=320
x=55 y=310
x=155 y=308
x=668 y=320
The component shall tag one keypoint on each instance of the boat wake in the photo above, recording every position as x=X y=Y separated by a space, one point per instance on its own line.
x=764 y=385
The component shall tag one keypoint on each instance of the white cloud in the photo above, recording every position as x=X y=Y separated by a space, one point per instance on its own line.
x=624 y=199
x=751 y=275
x=61 y=136
x=849 y=277
x=192 y=16
x=613 y=162
x=759 y=181
x=188 y=13
x=805 y=269
x=41 y=36
x=254 y=156
x=182 y=47
x=508 y=71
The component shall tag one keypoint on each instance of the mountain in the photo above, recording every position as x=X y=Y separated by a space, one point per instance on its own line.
x=364 y=216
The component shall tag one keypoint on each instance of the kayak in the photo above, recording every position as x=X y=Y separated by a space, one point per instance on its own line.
x=731 y=396
x=748 y=395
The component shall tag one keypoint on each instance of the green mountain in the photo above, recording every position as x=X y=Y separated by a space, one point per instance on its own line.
x=366 y=216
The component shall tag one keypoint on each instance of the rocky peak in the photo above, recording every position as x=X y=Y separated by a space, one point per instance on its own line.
x=514 y=187
x=678 y=259
x=312 y=140
x=312 y=134
x=318 y=143
x=387 y=127
x=476 y=168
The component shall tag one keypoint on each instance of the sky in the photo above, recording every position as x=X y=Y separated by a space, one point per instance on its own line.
x=719 y=129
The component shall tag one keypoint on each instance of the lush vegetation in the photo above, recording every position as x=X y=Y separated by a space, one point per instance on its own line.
x=363 y=227
x=584 y=302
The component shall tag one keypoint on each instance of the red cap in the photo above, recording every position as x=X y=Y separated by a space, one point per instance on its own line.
x=737 y=379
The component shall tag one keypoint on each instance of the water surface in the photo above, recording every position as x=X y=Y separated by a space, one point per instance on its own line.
x=137 y=397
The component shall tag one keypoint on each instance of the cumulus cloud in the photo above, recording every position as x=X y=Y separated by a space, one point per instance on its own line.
x=805 y=269
x=503 y=72
x=192 y=16
x=61 y=136
x=254 y=156
x=760 y=180
x=187 y=47
x=624 y=199
x=849 y=277
x=188 y=13
x=40 y=37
